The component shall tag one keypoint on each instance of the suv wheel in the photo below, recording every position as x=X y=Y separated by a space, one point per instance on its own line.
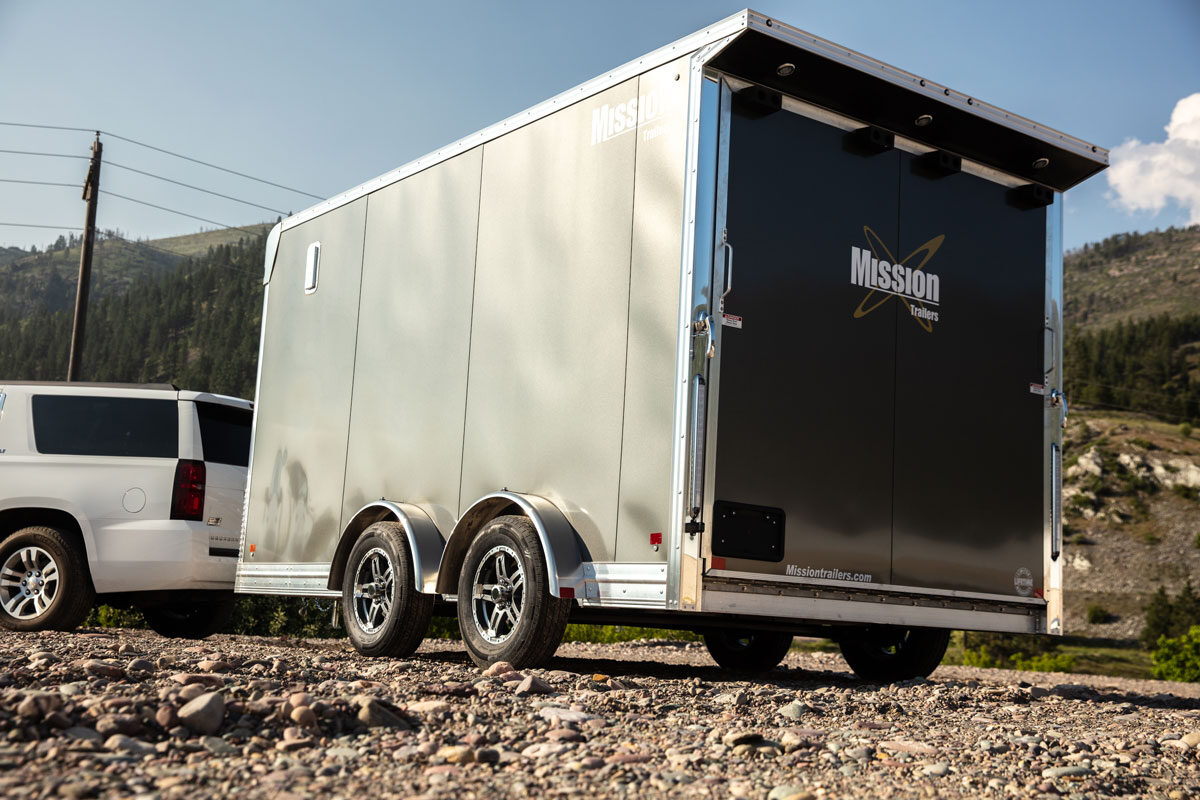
x=44 y=583
x=191 y=618
x=382 y=610
x=505 y=610
x=747 y=651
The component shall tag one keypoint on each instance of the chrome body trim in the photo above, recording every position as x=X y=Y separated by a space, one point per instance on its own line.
x=303 y=580
x=613 y=584
x=871 y=611
x=915 y=591
x=1053 y=419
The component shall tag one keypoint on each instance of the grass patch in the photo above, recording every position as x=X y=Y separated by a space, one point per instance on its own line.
x=1145 y=444
x=1120 y=662
x=1186 y=492
x=611 y=634
x=814 y=646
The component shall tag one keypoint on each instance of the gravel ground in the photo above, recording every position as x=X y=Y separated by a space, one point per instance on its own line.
x=128 y=714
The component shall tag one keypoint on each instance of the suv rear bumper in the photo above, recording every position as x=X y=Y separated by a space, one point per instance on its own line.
x=148 y=556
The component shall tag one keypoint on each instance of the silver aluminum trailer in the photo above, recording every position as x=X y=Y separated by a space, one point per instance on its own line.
x=526 y=373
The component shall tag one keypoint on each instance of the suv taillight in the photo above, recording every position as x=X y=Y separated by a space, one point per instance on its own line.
x=187 y=500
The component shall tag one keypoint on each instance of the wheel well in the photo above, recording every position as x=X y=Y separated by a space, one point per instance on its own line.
x=14 y=519
x=362 y=520
x=464 y=533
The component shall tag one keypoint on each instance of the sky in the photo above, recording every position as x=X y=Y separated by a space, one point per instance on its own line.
x=320 y=97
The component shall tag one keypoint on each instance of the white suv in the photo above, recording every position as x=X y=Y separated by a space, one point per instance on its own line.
x=132 y=494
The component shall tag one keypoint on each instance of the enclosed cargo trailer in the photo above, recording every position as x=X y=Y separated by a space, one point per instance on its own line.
x=526 y=373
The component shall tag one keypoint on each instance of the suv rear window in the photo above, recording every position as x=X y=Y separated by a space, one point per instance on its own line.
x=225 y=433
x=106 y=426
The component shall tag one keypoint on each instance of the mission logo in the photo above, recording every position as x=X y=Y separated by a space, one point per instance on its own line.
x=873 y=267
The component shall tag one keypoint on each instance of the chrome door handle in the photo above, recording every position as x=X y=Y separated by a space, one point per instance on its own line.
x=1058 y=398
x=727 y=275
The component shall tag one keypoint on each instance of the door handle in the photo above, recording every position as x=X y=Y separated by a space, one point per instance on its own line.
x=727 y=269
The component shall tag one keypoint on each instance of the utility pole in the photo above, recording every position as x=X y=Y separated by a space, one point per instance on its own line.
x=91 y=191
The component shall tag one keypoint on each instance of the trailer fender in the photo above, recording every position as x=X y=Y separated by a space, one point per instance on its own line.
x=561 y=544
x=425 y=541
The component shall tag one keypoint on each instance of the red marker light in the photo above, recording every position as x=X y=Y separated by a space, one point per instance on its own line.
x=656 y=538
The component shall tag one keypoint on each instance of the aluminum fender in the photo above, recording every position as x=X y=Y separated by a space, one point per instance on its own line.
x=425 y=541
x=560 y=542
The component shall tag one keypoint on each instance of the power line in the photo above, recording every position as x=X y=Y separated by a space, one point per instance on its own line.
x=176 y=211
x=189 y=186
x=49 y=155
x=213 y=166
x=31 y=225
x=41 y=183
x=167 y=152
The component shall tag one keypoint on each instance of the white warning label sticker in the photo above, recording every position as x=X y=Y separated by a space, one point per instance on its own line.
x=731 y=321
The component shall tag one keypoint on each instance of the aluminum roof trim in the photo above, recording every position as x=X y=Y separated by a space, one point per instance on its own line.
x=730 y=25
x=936 y=91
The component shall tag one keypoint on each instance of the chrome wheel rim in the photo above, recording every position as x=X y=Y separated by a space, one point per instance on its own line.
x=28 y=583
x=374 y=590
x=498 y=594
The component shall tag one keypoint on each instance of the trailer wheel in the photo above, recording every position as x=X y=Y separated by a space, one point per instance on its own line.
x=44 y=582
x=505 y=610
x=382 y=610
x=887 y=655
x=747 y=651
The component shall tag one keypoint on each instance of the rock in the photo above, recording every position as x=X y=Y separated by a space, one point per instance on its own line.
x=559 y=714
x=188 y=678
x=84 y=734
x=499 y=668
x=1191 y=739
x=166 y=717
x=1066 y=772
x=533 y=685
x=430 y=707
x=858 y=753
x=219 y=747
x=57 y=719
x=487 y=755
x=125 y=744
x=795 y=710
x=374 y=714
x=139 y=666
x=304 y=716
x=214 y=666
x=939 y=770
x=457 y=754
x=785 y=791
x=204 y=714
x=565 y=735
x=342 y=752
x=734 y=738
x=103 y=669
x=110 y=724
x=732 y=698
x=912 y=748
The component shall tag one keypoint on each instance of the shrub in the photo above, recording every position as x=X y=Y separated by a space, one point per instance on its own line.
x=1185 y=430
x=1145 y=444
x=1178 y=658
x=1097 y=615
x=1045 y=662
x=1170 y=618
x=1014 y=651
x=1186 y=492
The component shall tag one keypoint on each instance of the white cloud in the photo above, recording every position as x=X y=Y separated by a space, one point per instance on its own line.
x=1145 y=176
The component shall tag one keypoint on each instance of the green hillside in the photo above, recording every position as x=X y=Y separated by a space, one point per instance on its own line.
x=1133 y=276
x=46 y=280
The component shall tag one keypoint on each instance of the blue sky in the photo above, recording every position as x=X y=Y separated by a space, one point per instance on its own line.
x=322 y=96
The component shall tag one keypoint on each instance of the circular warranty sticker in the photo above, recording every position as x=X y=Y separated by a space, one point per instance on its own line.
x=1023 y=582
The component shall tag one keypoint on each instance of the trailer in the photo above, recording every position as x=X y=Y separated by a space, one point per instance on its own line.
x=754 y=336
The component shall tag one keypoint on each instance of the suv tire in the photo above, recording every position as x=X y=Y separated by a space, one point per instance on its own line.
x=505 y=610
x=191 y=618
x=887 y=655
x=747 y=651
x=44 y=581
x=382 y=610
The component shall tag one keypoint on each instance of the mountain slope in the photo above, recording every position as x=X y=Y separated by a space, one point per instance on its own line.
x=47 y=280
x=1132 y=276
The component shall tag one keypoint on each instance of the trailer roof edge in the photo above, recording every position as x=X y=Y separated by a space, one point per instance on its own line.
x=729 y=26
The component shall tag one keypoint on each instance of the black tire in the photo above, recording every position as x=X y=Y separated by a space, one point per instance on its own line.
x=531 y=622
x=747 y=651
x=62 y=600
x=886 y=655
x=190 y=618
x=383 y=613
